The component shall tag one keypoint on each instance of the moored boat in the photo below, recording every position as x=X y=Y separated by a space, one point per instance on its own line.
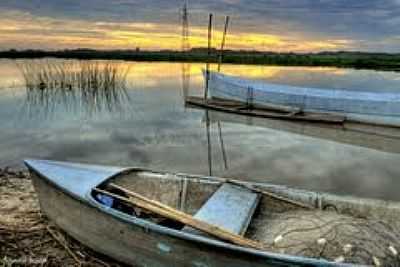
x=381 y=108
x=92 y=204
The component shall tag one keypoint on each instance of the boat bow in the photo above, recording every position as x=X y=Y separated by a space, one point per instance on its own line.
x=73 y=178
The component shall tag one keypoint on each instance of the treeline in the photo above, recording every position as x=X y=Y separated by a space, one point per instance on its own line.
x=359 y=60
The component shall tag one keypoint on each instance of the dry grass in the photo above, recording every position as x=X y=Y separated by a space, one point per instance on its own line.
x=28 y=239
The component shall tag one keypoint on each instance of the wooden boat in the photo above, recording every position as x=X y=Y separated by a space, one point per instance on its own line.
x=359 y=106
x=74 y=196
x=262 y=111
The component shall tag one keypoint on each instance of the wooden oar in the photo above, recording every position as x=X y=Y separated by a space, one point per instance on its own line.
x=171 y=213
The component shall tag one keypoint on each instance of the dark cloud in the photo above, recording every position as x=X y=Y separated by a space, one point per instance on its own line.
x=142 y=10
x=371 y=24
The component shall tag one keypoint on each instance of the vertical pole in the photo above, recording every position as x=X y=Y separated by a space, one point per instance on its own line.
x=210 y=33
x=208 y=55
x=221 y=51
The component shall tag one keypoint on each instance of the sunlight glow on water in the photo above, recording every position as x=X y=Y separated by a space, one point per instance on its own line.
x=154 y=129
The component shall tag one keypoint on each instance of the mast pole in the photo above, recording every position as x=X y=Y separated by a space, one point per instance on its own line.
x=208 y=55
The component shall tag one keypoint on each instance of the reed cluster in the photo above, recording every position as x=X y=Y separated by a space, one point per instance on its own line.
x=79 y=85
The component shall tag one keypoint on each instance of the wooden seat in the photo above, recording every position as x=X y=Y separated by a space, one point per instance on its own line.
x=231 y=207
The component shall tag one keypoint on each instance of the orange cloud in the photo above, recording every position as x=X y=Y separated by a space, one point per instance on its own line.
x=51 y=33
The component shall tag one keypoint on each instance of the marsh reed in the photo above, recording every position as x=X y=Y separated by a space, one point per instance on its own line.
x=88 y=86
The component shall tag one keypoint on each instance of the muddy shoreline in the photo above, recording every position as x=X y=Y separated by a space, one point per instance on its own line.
x=27 y=238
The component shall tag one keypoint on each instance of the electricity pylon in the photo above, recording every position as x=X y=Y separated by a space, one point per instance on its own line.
x=185 y=48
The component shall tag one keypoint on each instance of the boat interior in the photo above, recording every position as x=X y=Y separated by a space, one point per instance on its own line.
x=282 y=223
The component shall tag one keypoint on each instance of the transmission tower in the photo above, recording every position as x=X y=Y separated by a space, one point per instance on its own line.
x=185 y=48
x=185 y=27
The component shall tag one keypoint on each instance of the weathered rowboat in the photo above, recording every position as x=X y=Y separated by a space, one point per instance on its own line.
x=68 y=195
x=381 y=108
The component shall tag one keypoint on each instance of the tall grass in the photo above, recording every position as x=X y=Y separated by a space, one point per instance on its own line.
x=88 y=86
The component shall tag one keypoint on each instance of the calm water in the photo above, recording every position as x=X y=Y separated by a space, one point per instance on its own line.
x=152 y=128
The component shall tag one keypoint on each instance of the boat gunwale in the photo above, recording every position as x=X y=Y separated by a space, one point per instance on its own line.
x=89 y=201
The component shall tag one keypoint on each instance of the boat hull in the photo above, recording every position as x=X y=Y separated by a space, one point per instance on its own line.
x=136 y=244
x=367 y=107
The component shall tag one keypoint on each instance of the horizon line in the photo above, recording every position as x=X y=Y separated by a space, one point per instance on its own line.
x=194 y=49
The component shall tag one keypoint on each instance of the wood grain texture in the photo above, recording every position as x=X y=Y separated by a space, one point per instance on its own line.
x=265 y=112
x=135 y=244
x=171 y=213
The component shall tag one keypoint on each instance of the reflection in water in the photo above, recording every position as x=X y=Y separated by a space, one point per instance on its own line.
x=209 y=143
x=386 y=139
x=73 y=87
x=161 y=134
x=186 y=67
x=298 y=155
x=223 y=151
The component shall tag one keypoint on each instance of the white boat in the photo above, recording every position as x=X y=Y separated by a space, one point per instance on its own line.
x=380 y=108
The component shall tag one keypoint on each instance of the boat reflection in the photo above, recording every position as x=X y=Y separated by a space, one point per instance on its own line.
x=379 y=138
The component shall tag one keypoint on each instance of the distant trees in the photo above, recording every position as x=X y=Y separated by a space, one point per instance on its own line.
x=381 y=61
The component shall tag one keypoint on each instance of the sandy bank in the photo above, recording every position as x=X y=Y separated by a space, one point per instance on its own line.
x=28 y=238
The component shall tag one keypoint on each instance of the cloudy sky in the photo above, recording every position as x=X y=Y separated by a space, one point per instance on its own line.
x=277 y=25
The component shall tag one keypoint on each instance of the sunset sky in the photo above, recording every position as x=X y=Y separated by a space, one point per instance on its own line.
x=273 y=25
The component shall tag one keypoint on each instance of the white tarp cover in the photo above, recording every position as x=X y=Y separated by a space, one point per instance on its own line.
x=308 y=99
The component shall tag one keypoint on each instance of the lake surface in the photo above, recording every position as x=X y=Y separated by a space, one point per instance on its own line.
x=151 y=127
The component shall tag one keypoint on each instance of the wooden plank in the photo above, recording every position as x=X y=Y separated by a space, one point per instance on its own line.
x=235 y=108
x=171 y=213
x=228 y=103
x=270 y=194
x=231 y=207
x=268 y=107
